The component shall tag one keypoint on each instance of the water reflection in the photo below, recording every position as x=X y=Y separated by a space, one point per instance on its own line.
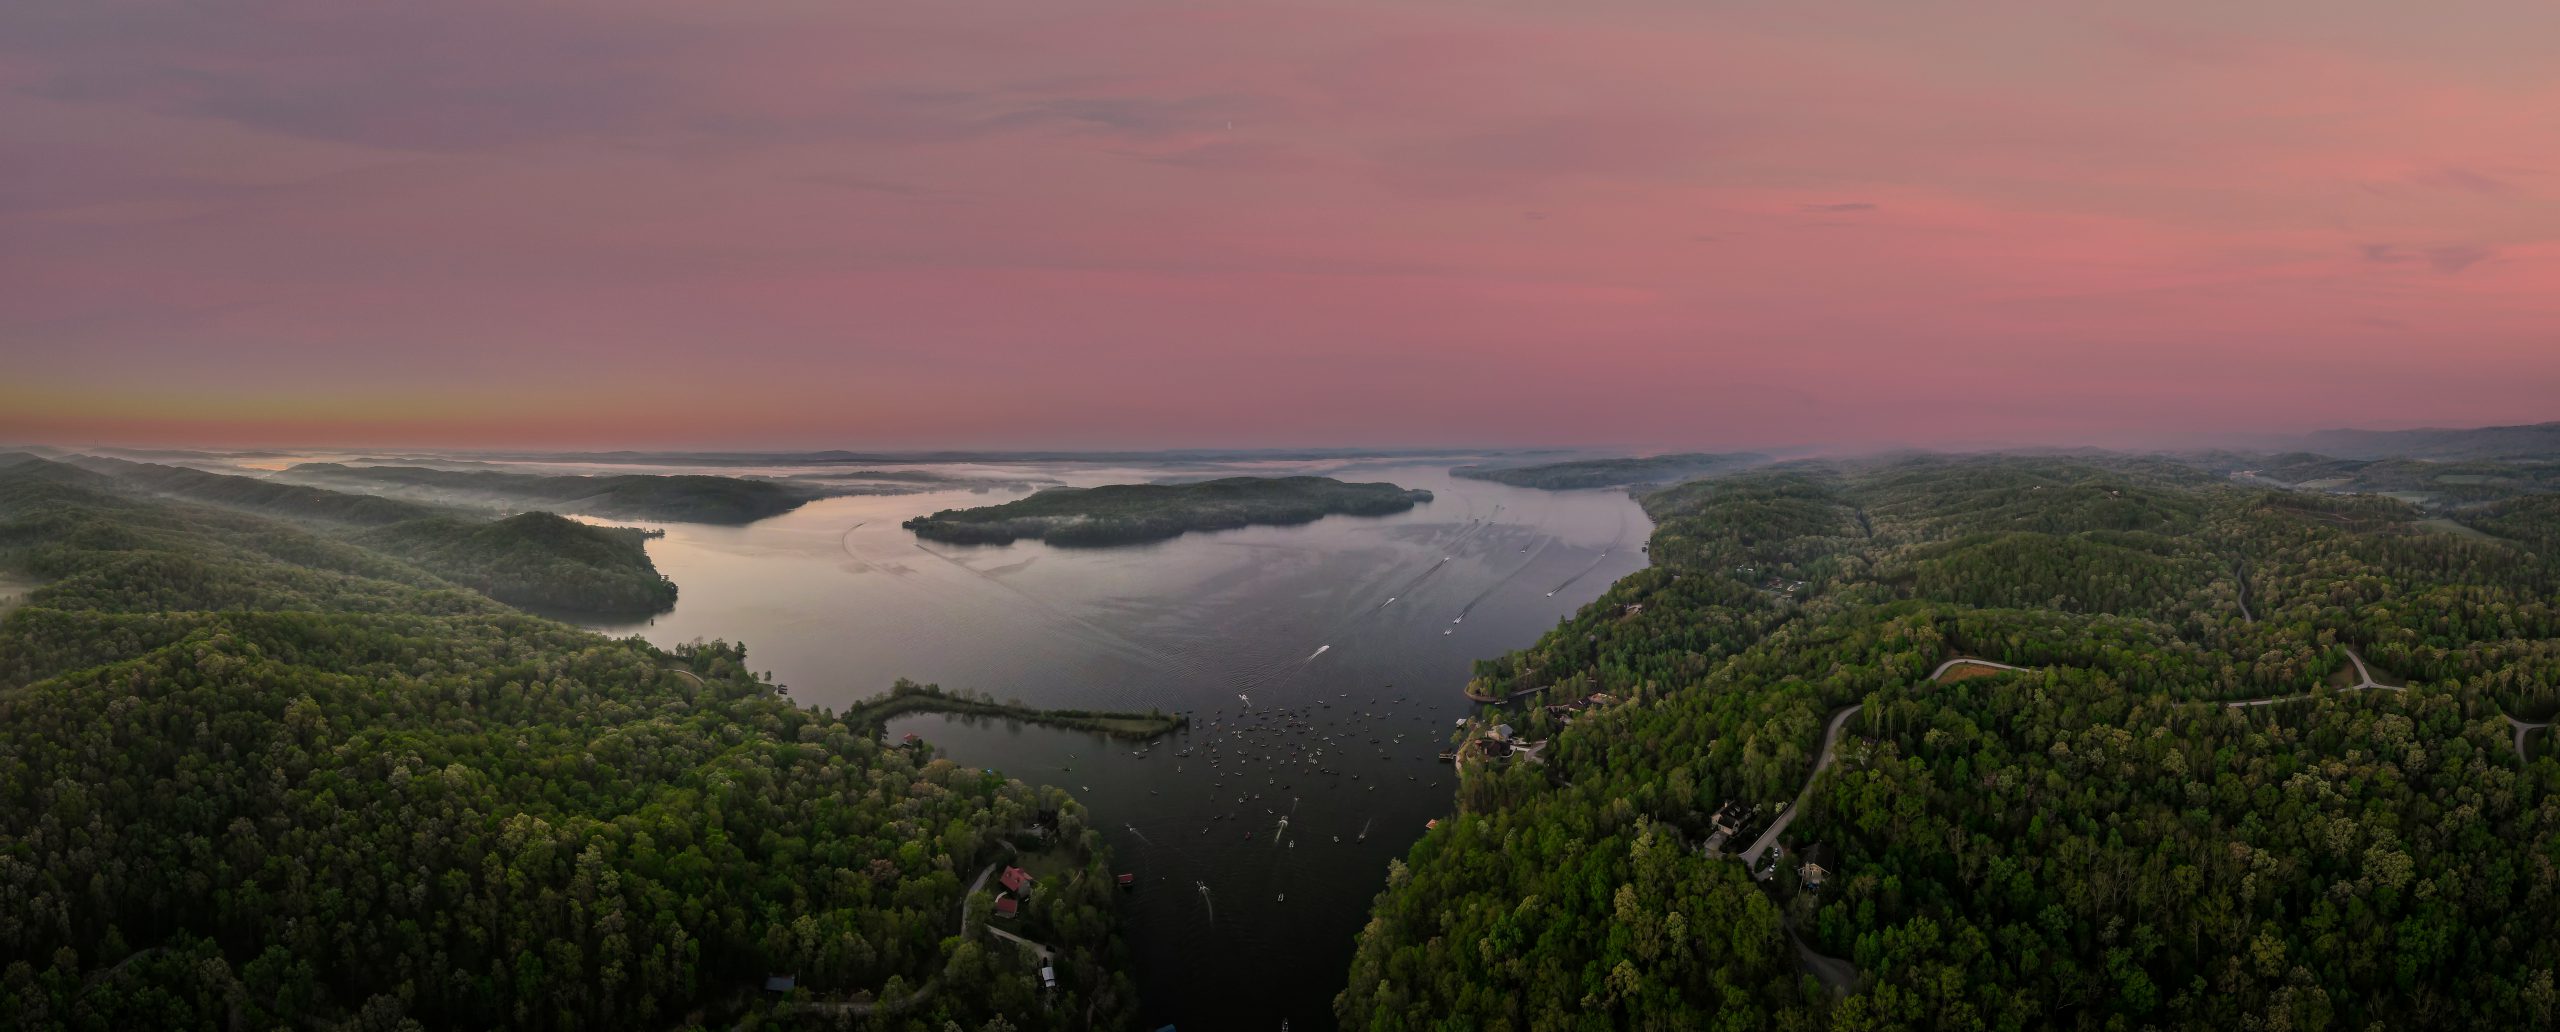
x=1322 y=665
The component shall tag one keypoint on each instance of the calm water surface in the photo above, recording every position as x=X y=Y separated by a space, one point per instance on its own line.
x=1283 y=642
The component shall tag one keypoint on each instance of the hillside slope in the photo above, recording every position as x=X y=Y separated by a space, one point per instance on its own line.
x=252 y=776
x=2185 y=811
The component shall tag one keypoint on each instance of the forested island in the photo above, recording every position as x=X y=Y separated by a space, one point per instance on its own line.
x=1581 y=474
x=1119 y=514
x=674 y=498
x=261 y=776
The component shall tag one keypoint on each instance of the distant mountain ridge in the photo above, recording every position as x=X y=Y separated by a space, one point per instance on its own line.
x=2485 y=442
x=1582 y=474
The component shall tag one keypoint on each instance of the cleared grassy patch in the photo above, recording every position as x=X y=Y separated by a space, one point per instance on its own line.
x=1968 y=670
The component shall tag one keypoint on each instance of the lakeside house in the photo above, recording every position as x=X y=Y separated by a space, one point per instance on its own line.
x=1015 y=879
x=1007 y=907
x=1729 y=817
x=1729 y=821
x=1563 y=713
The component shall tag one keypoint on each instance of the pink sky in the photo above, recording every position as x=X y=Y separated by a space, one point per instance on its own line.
x=1102 y=223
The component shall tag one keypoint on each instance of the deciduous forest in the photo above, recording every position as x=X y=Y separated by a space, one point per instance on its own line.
x=2191 y=808
x=260 y=774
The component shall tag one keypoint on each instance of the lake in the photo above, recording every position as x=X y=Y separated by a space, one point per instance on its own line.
x=1339 y=645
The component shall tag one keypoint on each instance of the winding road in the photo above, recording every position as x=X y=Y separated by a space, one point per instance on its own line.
x=1836 y=974
x=1830 y=742
x=1047 y=955
x=931 y=985
x=2240 y=575
x=1830 y=749
x=2521 y=727
x=2364 y=682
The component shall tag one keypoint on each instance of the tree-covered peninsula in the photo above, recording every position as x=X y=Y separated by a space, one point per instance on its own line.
x=535 y=560
x=254 y=775
x=1120 y=514
x=674 y=498
x=2009 y=743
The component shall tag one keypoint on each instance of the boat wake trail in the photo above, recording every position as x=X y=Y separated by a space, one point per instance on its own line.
x=1614 y=544
x=1095 y=633
x=1506 y=579
x=844 y=543
x=1449 y=554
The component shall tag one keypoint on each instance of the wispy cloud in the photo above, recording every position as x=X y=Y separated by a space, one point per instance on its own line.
x=2466 y=180
x=2386 y=254
x=1841 y=207
x=2451 y=258
x=2457 y=257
